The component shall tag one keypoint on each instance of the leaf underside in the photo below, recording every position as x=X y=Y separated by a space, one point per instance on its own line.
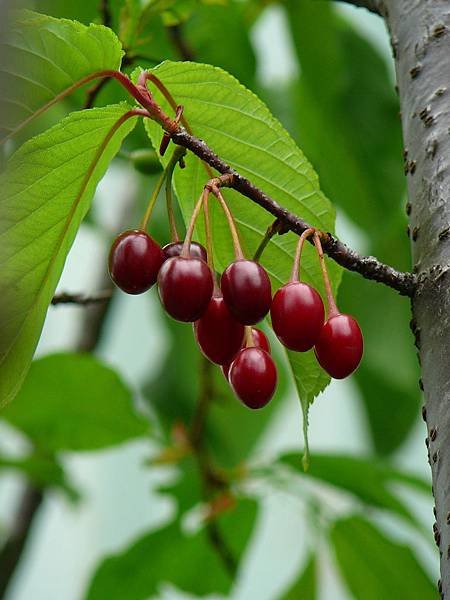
x=41 y=209
x=41 y=56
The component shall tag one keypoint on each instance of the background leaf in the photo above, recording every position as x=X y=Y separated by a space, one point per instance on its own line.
x=376 y=568
x=74 y=402
x=40 y=212
x=42 y=56
x=168 y=555
x=305 y=588
x=368 y=479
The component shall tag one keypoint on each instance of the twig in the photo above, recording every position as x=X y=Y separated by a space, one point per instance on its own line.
x=12 y=550
x=217 y=542
x=93 y=92
x=176 y=37
x=211 y=480
x=81 y=299
x=105 y=12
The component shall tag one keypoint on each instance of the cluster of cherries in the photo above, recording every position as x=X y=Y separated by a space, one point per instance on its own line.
x=224 y=315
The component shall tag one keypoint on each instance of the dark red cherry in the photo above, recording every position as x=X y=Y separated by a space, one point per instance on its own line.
x=134 y=261
x=218 y=334
x=247 y=291
x=297 y=316
x=259 y=339
x=253 y=377
x=340 y=346
x=196 y=250
x=185 y=287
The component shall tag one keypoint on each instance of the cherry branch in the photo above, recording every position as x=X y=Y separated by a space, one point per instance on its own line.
x=367 y=266
x=81 y=299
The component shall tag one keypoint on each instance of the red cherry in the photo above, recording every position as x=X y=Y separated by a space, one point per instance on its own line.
x=259 y=339
x=297 y=316
x=340 y=346
x=247 y=291
x=253 y=377
x=134 y=261
x=195 y=250
x=218 y=334
x=185 y=287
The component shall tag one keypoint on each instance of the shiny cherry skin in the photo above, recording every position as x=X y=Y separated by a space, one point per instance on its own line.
x=185 y=288
x=340 y=346
x=259 y=339
x=298 y=314
x=247 y=291
x=196 y=250
x=134 y=261
x=218 y=334
x=253 y=377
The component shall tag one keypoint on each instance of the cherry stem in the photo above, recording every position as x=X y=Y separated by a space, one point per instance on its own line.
x=249 y=339
x=332 y=308
x=185 y=252
x=209 y=238
x=178 y=154
x=154 y=197
x=295 y=276
x=148 y=76
x=107 y=74
x=271 y=231
x=232 y=225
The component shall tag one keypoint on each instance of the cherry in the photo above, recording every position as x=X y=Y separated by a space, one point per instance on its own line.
x=218 y=334
x=134 y=261
x=340 y=346
x=247 y=291
x=253 y=377
x=297 y=313
x=185 y=287
x=196 y=250
x=259 y=339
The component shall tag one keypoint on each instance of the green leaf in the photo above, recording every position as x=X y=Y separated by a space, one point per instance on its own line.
x=44 y=199
x=241 y=130
x=74 y=402
x=375 y=567
x=43 y=472
x=305 y=588
x=309 y=381
x=42 y=56
x=369 y=479
x=189 y=562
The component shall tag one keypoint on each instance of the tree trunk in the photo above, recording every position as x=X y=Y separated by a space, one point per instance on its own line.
x=420 y=36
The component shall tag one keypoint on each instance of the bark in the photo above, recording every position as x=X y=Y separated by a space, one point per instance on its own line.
x=420 y=35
